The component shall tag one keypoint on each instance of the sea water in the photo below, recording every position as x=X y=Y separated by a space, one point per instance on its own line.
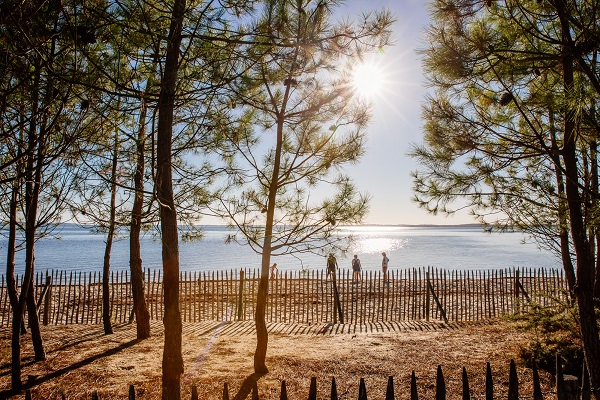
x=462 y=247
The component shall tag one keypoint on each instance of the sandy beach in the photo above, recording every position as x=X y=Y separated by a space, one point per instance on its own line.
x=80 y=359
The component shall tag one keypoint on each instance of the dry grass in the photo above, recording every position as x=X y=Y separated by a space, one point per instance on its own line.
x=81 y=359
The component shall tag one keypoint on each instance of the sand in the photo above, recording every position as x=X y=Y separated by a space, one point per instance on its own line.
x=80 y=359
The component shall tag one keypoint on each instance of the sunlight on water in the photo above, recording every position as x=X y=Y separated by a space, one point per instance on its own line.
x=449 y=247
x=377 y=245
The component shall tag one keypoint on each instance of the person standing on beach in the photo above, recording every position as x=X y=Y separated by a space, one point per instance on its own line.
x=273 y=269
x=356 y=267
x=384 y=267
x=332 y=265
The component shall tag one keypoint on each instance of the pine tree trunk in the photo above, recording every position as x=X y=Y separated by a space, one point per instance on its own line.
x=15 y=347
x=596 y=235
x=35 y=166
x=30 y=216
x=172 y=363
x=13 y=296
x=106 y=294
x=106 y=317
x=584 y=291
x=142 y=316
x=262 y=335
x=34 y=325
x=563 y=215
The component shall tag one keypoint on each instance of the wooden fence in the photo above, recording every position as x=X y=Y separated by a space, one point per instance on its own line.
x=568 y=387
x=66 y=297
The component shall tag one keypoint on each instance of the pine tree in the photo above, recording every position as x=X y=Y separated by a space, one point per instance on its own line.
x=296 y=121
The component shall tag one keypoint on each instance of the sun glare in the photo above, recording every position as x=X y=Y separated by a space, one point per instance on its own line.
x=368 y=79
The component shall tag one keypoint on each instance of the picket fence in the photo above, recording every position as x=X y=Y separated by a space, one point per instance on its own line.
x=567 y=388
x=67 y=297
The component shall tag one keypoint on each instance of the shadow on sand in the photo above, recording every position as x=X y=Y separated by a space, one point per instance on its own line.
x=247 y=386
x=39 y=380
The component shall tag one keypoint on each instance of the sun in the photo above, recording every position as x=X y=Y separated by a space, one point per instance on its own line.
x=368 y=79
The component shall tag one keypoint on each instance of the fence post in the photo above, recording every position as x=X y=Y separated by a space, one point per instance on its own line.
x=413 y=387
x=516 y=292
x=194 y=392
x=336 y=297
x=240 y=304
x=466 y=393
x=225 y=391
x=389 y=392
x=47 y=300
x=131 y=392
x=513 y=382
x=436 y=299
x=560 y=383
x=312 y=392
x=489 y=383
x=283 y=395
x=537 y=390
x=334 y=394
x=427 y=300
x=440 y=385
x=567 y=386
x=362 y=390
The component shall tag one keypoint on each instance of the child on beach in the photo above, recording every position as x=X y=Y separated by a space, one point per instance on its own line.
x=273 y=269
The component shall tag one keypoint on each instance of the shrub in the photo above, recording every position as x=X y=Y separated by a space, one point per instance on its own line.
x=555 y=331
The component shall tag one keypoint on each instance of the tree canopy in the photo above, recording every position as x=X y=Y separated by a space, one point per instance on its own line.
x=293 y=122
x=510 y=128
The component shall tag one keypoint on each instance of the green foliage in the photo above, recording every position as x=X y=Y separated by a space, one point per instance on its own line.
x=555 y=331
x=295 y=124
x=493 y=123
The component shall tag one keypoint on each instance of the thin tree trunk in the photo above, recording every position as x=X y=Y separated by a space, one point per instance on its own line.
x=563 y=215
x=109 y=241
x=172 y=362
x=31 y=206
x=34 y=188
x=585 y=265
x=19 y=309
x=106 y=323
x=33 y=180
x=11 y=285
x=142 y=317
x=34 y=325
x=32 y=194
x=262 y=335
x=594 y=203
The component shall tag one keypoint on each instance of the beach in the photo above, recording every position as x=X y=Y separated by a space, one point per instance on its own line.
x=82 y=359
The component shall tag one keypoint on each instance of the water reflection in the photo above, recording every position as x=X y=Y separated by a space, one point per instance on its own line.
x=457 y=247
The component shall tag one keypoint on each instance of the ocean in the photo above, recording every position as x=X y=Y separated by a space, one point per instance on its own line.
x=461 y=247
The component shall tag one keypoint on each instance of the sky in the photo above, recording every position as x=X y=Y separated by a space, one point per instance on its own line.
x=384 y=171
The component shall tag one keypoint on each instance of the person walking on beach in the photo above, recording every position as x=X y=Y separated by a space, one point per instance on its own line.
x=384 y=267
x=356 y=267
x=273 y=270
x=332 y=265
